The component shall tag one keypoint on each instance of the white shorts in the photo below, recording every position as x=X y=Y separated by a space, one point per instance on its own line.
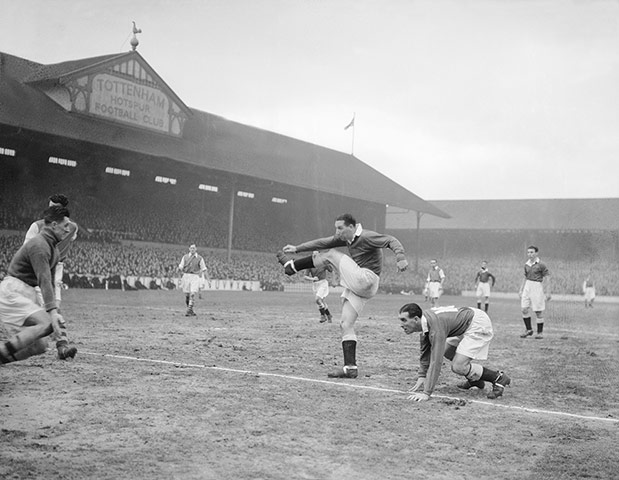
x=360 y=284
x=18 y=301
x=58 y=280
x=190 y=282
x=533 y=296
x=483 y=289
x=435 y=289
x=475 y=342
x=589 y=293
x=321 y=288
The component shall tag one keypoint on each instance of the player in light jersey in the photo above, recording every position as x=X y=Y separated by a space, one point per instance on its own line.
x=359 y=274
x=320 y=286
x=482 y=280
x=63 y=346
x=434 y=282
x=588 y=290
x=27 y=320
x=458 y=334
x=532 y=296
x=194 y=268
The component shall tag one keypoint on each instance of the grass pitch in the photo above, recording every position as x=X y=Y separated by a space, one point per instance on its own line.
x=240 y=391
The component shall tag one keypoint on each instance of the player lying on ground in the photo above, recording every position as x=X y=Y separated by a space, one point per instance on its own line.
x=460 y=335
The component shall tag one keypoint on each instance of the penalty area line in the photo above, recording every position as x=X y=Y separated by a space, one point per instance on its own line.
x=348 y=385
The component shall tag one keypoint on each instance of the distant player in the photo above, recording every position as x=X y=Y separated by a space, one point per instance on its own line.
x=359 y=274
x=588 y=290
x=434 y=282
x=320 y=286
x=482 y=279
x=532 y=296
x=458 y=334
x=27 y=321
x=64 y=348
x=194 y=268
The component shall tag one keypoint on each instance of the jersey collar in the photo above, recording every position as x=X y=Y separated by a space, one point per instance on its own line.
x=424 y=324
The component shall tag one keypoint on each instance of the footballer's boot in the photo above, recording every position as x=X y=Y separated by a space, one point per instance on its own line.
x=528 y=333
x=287 y=262
x=468 y=384
x=190 y=312
x=66 y=351
x=347 y=371
x=539 y=336
x=323 y=318
x=498 y=387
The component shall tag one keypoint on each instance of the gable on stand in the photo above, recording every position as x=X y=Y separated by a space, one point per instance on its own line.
x=120 y=88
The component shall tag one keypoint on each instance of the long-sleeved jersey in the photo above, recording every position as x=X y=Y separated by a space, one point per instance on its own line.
x=440 y=323
x=365 y=249
x=35 y=262
x=484 y=276
x=63 y=245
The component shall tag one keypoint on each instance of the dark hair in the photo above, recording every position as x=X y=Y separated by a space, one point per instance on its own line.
x=59 y=199
x=347 y=218
x=533 y=247
x=412 y=309
x=55 y=213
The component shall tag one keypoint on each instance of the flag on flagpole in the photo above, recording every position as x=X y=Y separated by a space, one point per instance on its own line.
x=351 y=124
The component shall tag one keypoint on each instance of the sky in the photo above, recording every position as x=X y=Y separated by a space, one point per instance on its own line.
x=452 y=99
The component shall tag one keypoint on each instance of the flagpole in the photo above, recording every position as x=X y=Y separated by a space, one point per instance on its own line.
x=352 y=124
x=352 y=148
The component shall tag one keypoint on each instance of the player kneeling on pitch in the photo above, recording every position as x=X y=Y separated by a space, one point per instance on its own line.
x=28 y=323
x=460 y=335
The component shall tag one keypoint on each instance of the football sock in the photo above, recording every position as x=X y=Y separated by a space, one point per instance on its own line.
x=489 y=375
x=486 y=307
x=322 y=311
x=350 y=352
x=7 y=352
x=527 y=323
x=303 y=263
x=540 y=327
x=478 y=304
x=187 y=300
x=327 y=312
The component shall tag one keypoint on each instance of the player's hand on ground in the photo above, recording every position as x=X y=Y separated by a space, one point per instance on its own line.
x=290 y=249
x=57 y=320
x=402 y=265
x=419 y=397
x=421 y=382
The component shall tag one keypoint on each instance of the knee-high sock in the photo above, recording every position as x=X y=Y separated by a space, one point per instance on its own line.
x=489 y=375
x=350 y=352
x=303 y=263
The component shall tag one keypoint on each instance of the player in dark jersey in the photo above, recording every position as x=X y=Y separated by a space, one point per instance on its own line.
x=482 y=281
x=359 y=274
x=65 y=349
x=458 y=334
x=27 y=320
x=532 y=296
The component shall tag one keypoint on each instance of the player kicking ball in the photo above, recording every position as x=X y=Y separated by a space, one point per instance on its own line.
x=460 y=335
x=359 y=274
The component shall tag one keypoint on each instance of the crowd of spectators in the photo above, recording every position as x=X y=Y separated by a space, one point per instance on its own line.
x=115 y=228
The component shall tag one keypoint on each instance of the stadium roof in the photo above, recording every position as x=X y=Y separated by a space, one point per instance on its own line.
x=208 y=140
x=553 y=214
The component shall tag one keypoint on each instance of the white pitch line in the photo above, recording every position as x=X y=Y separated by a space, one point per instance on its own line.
x=349 y=385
